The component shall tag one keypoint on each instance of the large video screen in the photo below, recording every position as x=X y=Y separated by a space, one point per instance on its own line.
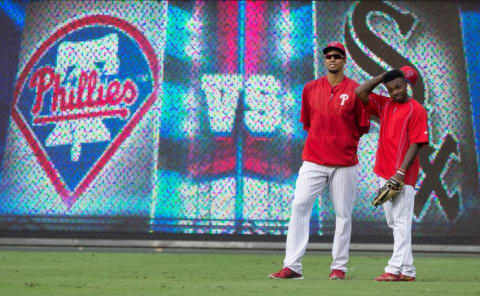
x=181 y=118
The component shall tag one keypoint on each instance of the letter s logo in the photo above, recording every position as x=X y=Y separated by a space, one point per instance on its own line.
x=358 y=33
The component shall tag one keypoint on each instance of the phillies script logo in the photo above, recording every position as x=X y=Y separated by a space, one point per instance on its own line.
x=81 y=94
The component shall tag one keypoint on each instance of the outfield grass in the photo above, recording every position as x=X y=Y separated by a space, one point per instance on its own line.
x=102 y=273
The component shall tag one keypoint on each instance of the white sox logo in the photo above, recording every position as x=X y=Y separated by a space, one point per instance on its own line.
x=343 y=97
x=81 y=94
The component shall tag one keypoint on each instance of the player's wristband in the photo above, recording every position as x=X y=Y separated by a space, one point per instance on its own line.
x=400 y=172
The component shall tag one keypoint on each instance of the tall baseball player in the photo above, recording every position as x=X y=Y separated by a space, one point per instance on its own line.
x=335 y=119
x=403 y=131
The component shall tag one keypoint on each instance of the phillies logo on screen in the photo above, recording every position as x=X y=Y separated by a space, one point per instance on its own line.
x=81 y=94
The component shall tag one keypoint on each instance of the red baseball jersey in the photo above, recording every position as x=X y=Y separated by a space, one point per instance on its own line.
x=335 y=118
x=401 y=124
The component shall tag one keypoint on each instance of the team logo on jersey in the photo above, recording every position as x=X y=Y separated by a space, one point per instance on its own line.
x=81 y=94
x=343 y=97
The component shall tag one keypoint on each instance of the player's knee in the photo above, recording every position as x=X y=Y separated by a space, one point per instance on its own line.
x=344 y=221
x=299 y=205
x=344 y=213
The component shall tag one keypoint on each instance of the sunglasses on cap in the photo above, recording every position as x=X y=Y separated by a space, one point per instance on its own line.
x=336 y=56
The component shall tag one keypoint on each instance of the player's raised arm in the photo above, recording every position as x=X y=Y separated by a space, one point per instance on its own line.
x=364 y=89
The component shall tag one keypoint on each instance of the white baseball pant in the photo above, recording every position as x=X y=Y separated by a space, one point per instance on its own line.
x=312 y=180
x=399 y=215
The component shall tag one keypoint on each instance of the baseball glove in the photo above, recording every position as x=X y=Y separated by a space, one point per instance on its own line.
x=387 y=192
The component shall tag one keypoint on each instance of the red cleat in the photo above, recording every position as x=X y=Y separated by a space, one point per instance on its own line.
x=286 y=273
x=337 y=274
x=407 y=278
x=388 y=277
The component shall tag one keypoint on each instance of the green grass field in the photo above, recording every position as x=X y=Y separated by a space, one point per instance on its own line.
x=224 y=273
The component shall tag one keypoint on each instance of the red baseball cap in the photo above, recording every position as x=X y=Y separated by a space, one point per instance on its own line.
x=411 y=75
x=335 y=45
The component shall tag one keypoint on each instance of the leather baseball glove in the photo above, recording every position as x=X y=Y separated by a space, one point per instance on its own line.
x=387 y=192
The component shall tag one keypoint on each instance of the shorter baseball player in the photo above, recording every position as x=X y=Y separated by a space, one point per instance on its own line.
x=403 y=131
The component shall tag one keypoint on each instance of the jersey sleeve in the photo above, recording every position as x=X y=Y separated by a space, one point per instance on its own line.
x=376 y=103
x=362 y=116
x=418 y=127
x=305 y=111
